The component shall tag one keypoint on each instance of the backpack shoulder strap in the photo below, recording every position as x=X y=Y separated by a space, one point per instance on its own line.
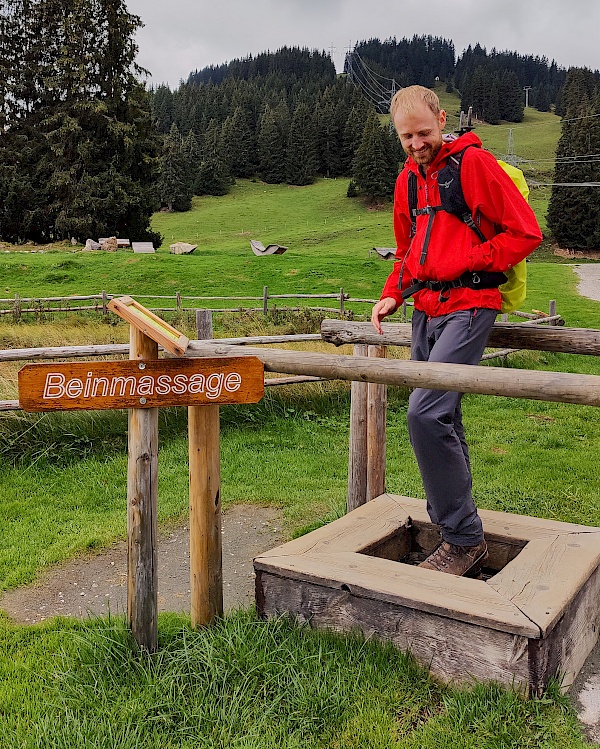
x=452 y=197
x=412 y=202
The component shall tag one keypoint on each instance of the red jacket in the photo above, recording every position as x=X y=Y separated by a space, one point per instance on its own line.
x=454 y=248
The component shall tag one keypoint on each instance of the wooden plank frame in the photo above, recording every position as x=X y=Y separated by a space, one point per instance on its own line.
x=536 y=617
x=150 y=324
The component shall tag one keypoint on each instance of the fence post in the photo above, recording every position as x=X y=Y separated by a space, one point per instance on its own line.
x=265 y=300
x=104 y=303
x=142 y=506
x=357 y=463
x=552 y=311
x=376 y=437
x=17 y=308
x=342 y=311
x=206 y=572
x=178 y=300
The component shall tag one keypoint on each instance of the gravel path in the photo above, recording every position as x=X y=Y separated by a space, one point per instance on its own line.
x=97 y=584
x=589 y=280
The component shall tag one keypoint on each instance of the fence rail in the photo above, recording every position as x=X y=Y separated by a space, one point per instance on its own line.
x=18 y=305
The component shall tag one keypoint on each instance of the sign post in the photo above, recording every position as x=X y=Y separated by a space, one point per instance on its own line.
x=143 y=384
x=142 y=508
x=206 y=564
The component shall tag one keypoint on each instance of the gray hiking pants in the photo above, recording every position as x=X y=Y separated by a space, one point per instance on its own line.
x=435 y=421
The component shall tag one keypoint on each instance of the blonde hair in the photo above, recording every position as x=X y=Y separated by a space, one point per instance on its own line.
x=407 y=99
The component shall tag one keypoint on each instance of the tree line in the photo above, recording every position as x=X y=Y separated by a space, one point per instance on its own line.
x=290 y=119
x=86 y=150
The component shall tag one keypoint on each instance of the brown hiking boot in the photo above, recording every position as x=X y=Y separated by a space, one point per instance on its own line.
x=457 y=560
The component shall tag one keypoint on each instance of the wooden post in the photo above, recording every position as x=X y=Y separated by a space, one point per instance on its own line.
x=178 y=300
x=104 y=303
x=142 y=505
x=552 y=311
x=203 y=324
x=265 y=300
x=342 y=302
x=357 y=463
x=376 y=418
x=206 y=572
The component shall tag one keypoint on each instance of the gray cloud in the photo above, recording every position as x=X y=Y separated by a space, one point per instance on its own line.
x=185 y=35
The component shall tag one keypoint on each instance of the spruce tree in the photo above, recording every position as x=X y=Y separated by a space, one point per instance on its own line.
x=301 y=155
x=574 y=209
x=89 y=168
x=213 y=177
x=374 y=168
x=174 y=189
x=272 y=146
x=331 y=119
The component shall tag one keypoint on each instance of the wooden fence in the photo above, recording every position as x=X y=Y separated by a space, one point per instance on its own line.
x=18 y=306
x=367 y=443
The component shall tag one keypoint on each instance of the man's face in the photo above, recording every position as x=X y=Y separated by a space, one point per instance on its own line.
x=420 y=133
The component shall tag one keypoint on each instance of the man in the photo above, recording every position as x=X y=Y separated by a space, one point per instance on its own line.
x=450 y=322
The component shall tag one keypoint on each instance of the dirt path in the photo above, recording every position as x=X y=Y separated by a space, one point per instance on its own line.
x=589 y=280
x=98 y=583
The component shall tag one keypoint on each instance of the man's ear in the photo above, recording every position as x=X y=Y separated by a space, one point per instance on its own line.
x=442 y=118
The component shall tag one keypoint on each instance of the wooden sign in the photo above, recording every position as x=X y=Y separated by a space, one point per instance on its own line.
x=149 y=324
x=140 y=384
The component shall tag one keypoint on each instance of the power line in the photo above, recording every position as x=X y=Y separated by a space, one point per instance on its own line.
x=370 y=82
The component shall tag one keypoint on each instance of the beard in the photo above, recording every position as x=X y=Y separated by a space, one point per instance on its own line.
x=424 y=156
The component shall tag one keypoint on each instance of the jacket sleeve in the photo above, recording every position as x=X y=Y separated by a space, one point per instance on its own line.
x=490 y=192
x=402 y=226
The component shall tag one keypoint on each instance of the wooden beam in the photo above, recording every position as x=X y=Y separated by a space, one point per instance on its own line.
x=534 y=334
x=142 y=508
x=560 y=387
x=503 y=335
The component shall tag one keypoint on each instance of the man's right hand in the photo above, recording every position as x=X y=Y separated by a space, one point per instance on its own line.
x=383 y=308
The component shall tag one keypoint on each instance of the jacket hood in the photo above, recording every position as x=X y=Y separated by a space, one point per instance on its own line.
x=450 y=145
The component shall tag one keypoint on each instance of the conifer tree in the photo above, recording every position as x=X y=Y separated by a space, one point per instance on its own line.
x=238 y=144
x=574 y=209
x=374 y=168
x=331 y=119
x=174 y=189
x=301 y=155
x=90 y=165
x=511 y=97
x=213 y=177
x=272 y=146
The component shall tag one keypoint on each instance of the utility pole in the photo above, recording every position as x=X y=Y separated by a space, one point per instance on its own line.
x=510 y=149
x=527 y=90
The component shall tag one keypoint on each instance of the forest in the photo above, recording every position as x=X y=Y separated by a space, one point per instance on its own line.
x=87 y=149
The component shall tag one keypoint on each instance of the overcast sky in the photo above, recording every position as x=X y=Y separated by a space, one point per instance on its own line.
x=184 y=35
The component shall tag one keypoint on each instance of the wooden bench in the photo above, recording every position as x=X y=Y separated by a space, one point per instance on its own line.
x=535 y=614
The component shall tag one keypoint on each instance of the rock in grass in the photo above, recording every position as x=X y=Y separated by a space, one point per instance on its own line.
x=182 y=248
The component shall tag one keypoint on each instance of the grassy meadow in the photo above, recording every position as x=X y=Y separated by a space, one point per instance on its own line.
x=245 y=683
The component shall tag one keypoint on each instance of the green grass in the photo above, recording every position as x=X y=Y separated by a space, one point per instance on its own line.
x=328 y=235
x=248 y=684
